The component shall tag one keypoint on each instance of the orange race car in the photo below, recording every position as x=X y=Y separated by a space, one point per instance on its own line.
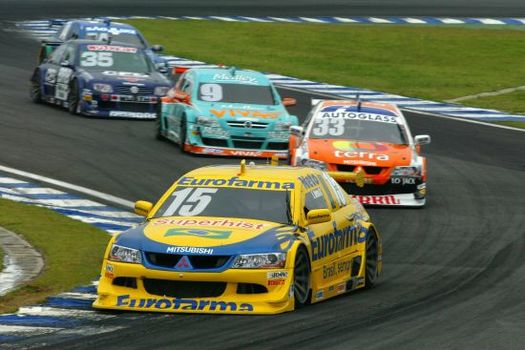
x=349 y=135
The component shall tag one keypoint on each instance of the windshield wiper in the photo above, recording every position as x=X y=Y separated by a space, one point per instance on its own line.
x=288 y=209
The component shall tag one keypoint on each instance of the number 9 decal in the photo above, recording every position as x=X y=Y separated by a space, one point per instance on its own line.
x=211 y=92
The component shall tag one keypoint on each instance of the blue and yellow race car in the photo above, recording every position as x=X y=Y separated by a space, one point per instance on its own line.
x=226 y=112
x=242 y=240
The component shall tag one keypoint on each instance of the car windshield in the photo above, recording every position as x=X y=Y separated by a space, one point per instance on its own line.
x=357 y=129
x=113 y=58
x=125 y=38
x=236 y=93
x=227 y=202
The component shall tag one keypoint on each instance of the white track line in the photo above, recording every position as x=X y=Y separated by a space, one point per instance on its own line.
x=69 y=186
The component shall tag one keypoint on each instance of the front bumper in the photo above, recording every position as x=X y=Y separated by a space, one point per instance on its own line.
x=133 y=107
x=232 y=299
x=234 y=152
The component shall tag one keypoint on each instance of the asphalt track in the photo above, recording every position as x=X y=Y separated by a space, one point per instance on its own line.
x=454 y=272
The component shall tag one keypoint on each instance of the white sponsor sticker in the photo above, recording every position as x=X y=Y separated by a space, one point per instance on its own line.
x=132 y=114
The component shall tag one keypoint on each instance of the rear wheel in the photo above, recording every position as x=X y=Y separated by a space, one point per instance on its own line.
x=158 y=123
x=301 y=278
x=74 y=98
x=35 y=91
x=371 y=259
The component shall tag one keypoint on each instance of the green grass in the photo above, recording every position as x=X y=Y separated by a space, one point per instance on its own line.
x=431 y=62
x=72 y=251
x=514 y=102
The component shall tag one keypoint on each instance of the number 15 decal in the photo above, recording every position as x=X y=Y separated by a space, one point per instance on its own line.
x=190 y=201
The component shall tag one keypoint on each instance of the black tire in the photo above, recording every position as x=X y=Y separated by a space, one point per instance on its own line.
x=73 y=98
x=371 y=259
x=183 y=131
x=35 y=91
x=301 y=278
x=158 y=123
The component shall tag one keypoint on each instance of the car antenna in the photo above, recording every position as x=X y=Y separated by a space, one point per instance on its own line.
x=243 y=167
x=232 y=70
x=358 y=98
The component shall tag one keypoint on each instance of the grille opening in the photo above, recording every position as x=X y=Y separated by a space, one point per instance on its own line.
x=247 y=144
x=197 y=261
x=129 y=282
x=184 y=289
x=278 y=145
x=345 y=167
x=356 y=266
x=372 y=170
x=127 y=106
x=251 y=288
x=126 y=90
x=214 y=142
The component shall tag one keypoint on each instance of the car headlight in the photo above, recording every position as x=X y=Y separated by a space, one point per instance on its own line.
x=161 y=90
x=104 y=88
x=278 y=135
x=205 y=121
x=282 y=126
x=125 y=254
x=313 y=163
x=260 y=261
x=406 y=171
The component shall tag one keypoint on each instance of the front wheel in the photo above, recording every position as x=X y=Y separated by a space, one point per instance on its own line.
x=74 y=98
x=35 y=91
x=301 y=278
x=183 y=132
x=371 y=259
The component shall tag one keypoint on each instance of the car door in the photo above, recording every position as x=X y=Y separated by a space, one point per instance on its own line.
x=65 y=71
x=50 y=72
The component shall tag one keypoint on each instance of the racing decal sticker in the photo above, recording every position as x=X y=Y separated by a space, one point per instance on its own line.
x=132 y=114
x=213 y=234
x=274 y=275
x=319 y=295
x=111 y=30
x=238 y=77
x=113 y=73
x=337 y=268
x=210 y=222
x=183 y=304
x=244 y=113
x=336 y=241
x=112 y=48
x=379 y=200
x=189 y=250
x=403 y=181
x=362 y=150
x=235 y=182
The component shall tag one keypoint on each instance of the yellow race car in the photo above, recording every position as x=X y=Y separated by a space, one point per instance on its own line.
x=254 y=239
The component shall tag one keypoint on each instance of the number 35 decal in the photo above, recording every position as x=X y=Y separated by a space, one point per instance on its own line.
x=93 y=59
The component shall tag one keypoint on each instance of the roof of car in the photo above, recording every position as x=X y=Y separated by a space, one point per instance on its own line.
x=98 y=42
x=100 y=23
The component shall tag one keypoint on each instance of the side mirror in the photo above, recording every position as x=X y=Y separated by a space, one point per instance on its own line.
x=317 y=216
x=161 y=67
x=289 y=101
x=157 y=48
x=181 y=96
x=422 y=139
x=143 y=208
x=296 y=130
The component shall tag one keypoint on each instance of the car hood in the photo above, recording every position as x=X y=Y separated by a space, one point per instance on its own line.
x=208 y=236
x=364 y=153
x=126 y=77
x=242 y=112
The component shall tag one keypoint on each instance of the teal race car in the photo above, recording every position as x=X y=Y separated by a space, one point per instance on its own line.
x=225 y=112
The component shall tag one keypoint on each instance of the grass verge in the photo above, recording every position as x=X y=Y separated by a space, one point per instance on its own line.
x=72 y=251
x=430 y=62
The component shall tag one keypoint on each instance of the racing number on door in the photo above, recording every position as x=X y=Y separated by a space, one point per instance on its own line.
x=329 y=126
x=190 y=201
x=62 y=84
